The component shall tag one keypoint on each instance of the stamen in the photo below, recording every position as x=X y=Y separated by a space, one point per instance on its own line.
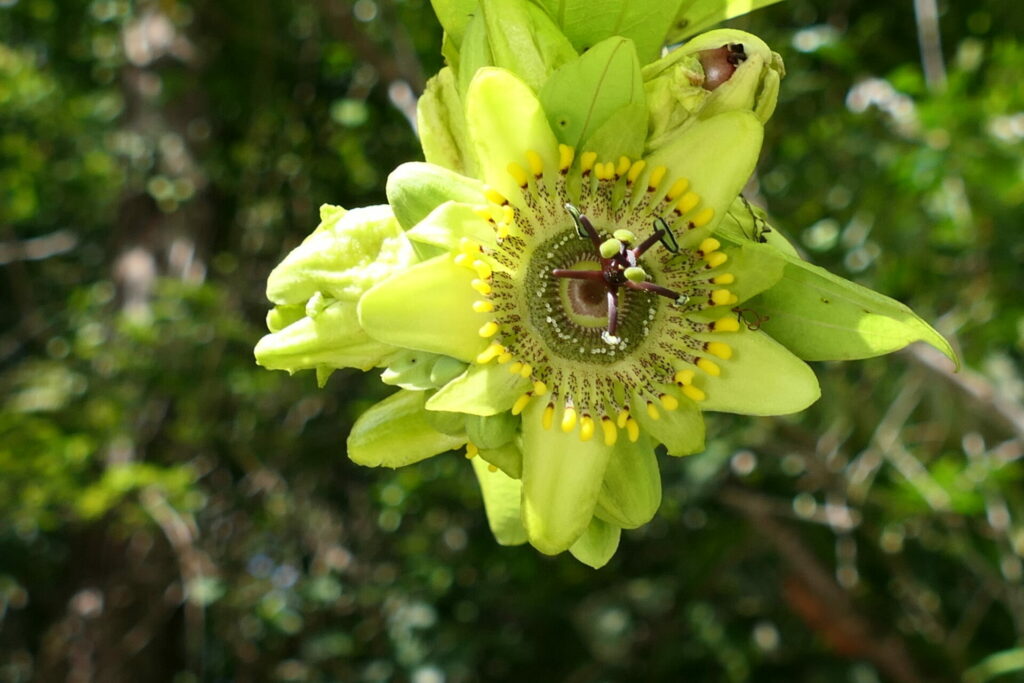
x=471 y=450
x=635 y=170
x=489 y=329
x=632 y=430
x=678 y=188
x=483 y=306
x=568 y=419
x=521 y=403
x=611 y=433
x=587 y=162
x=709 y=366
x=565 y=156
x=669 y=402
x=652 y=411
x=493 y=195
x=686 y=204
x=536 y=163
x=725 y=325
x=657 y=175
x=723 y=351
x=490 y=353
x=622 y=418
x=518 y=174
x=693 y=393
x=703 y=217
x=684 y=377
x=480 y=286
x=549 y=416
x=586 y=428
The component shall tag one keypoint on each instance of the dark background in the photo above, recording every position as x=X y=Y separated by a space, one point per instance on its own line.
x=169 y=511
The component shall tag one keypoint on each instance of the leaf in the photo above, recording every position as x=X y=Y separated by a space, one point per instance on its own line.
x=695 y=16
x=821 y=316
x=580 y=96
x=395 y=433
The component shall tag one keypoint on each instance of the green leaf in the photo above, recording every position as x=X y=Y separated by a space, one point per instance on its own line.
x=631 y=490
x=562 y=478
x=597 y=545
x=524 y=40
x=426 y=307
x=821 y=316
x=761 y=378
x=995 y=665
x=695 y=16
x=481 y=390
x=502 y=499
x=344 y=256
x=332 y=338
x=415 y=189
x=395 y=433
x=587 y=22
x=580 y=96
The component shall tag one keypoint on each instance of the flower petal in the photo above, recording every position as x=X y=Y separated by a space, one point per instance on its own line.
x=481 y=390
x=344 y=256
x=507 y=458
x=586 y=22
x=623 y=134
x=562 y=478
x=493 y=431
x=446 y=225
x=427 y=307
x=395 y=433
x=597 y=545
x=502 y=499
x=581 y=95
x=415 y=189
x=333 y=338
x=441 y=123
x=821 y=316
x=755 y=266
x=681 y=430
x=717 y=155
x=761 y=378
x=631 y=490
x=524 y=40
x=505 y=121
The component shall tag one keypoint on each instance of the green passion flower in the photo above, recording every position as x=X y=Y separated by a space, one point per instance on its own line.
x=591 y=303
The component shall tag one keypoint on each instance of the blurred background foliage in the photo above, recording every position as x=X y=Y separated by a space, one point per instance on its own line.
x=169 y=511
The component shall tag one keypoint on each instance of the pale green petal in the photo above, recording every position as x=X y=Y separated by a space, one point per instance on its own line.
x=416 y=370
x=581 y=96
x=502 y=498
x=280 y=317
x=597 y=545
x=481 y=390
x=454 y=15
x=756 y=267
x=492 y=431
x=475 y=52
x=505 y=120
x=415 y=189
x=761 y=378
x=623 y=134
x=446 y=225
x=507 y=458
x=821 y=316
x=716 y=155
x=631 y=490
x=441 y=123
x=695 y=16
x=524 y=40
x=748 y=223
x=342 y=258
x=332 y=338
x=426 y=307
x=681 y=430
x=562 y=478
x=395 y=432
x=586 y=22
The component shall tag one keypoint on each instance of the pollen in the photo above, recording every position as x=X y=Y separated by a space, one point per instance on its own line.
x=669 y=402
x=709 y=366
x=521 y=403
x=489 y=329
x=635 y=170
x=687 y=202
x=703 y=217
x=632 y=430
x=568 y=419
x=611 y=433
x=729 y=324
x=471 y=450
x=518 y=174
x=565 y=156
x=480 y=286
x=586 y=428
x=693 y=393
x=652 y=411
x=549 y=416
x=657 y=175
x=723 y=351
x=536 y=163
x=587 y=162
x=483 y=306
x=490 y=353
x=678 y=188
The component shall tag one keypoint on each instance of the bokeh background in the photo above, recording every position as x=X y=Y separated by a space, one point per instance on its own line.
x=171 y=512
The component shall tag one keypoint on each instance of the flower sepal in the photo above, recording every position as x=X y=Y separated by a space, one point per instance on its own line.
x=597 y=545
x=396 y=432
x=502 y=496
x=631 y=488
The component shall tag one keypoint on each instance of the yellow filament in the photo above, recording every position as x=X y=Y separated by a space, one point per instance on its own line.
x=684 y=377
x=720 y=297
x=688 y=201
x=657 y=175
x=536 y=163
x=489 y=329
x=483 y=306
x=709 y=245
x=716 y=259
x=611 y=434
x=703 y=217
x=493 y=195
x=652 y=411
x=518 y=174
x=632 y=430
x=729 y=324
x=490 y=353
x=669 y=402
x=480 y=286
x=723 y=351
x=587 y=161
x=586 y=428
x=635 y=170
x=709 y=366
x=549 y=416
x=678 y=187
x=565 y=156
x=693 y=393
x=520 y=404
x=568 y=419
x=622 y=418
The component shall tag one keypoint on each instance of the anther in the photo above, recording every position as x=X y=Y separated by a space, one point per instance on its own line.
x=716 y=259
x=623 y=167
x=587 y=160
x=568 y=419
x=687 y=202
x=565 y=156
x=483 y=269
x=490 y=353
x=693 y=393
x=521 y=403
x=669 y=402
x=611 y=433
x=725 y=325
x=719 y=349
x=494 y=196
x=536 y=163
x=586 y=428
x=709 y=366
x=622 y=418
x=515 y=368
x=489 y=329
x=678 y=188
x=633 y=430
x=708 y=245
x=480 y=286
x=703 y=217
x=483 y=306
x=471 y=450
x=684 y=377
x=721 y=297
x=518 y=174
x=549 y=416
x=504 y=358
x=635 y=170
x=657 y=175
x=526 y=371
x=724 y=279
x=539 y=388
x=652 y=411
